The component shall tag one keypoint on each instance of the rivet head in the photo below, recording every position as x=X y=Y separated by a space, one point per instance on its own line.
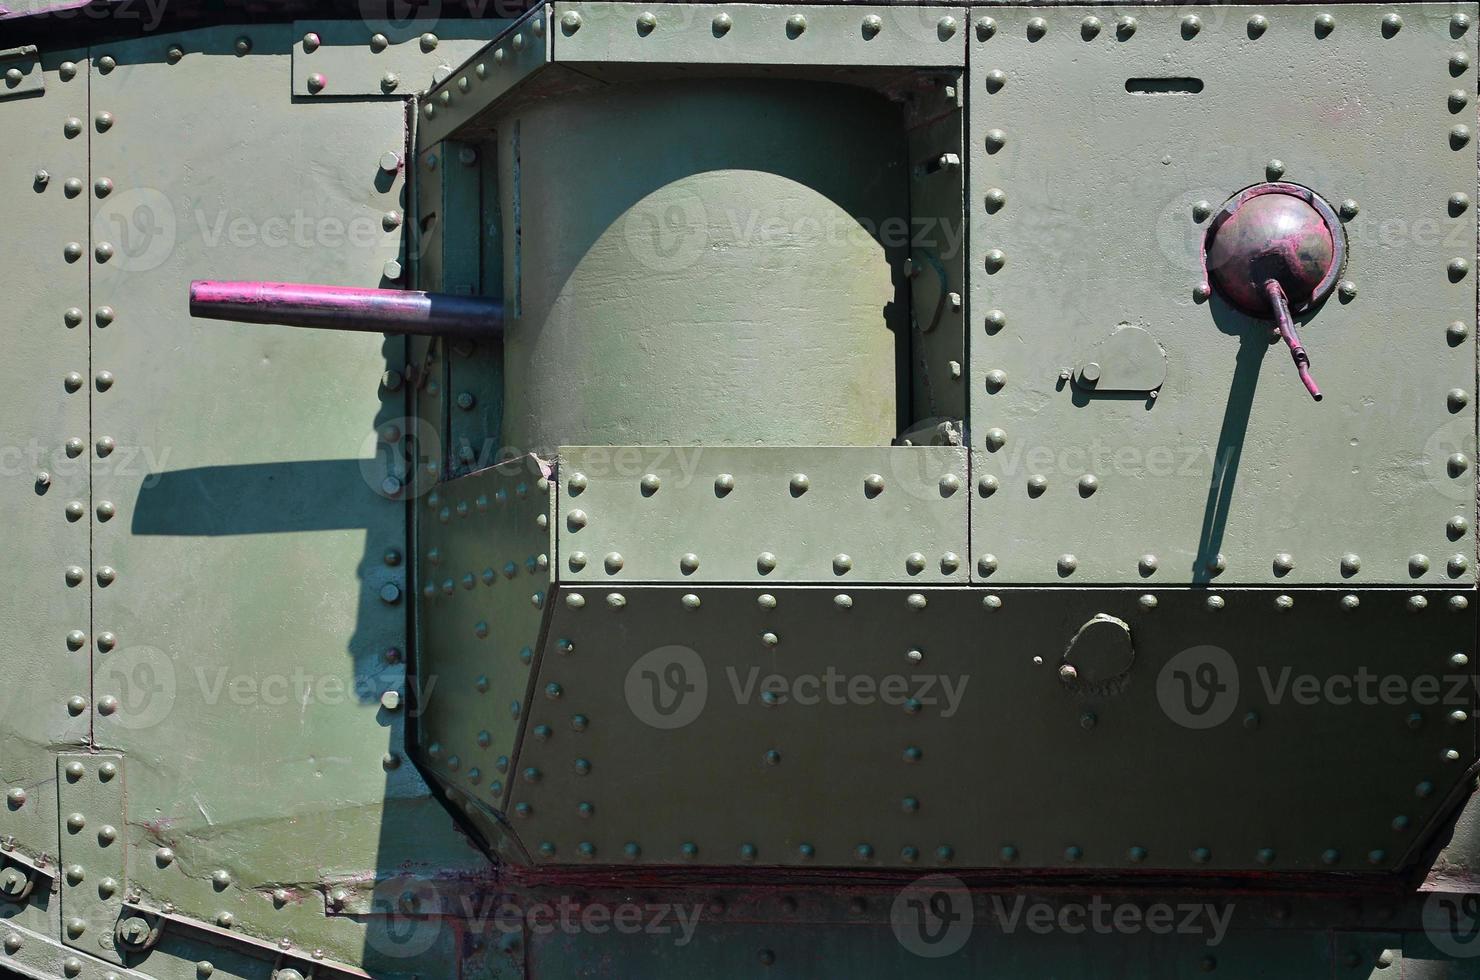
x=1391 y=24
x=1459 y=63
x=1417 y=603
x=1037 y=484
x=1459 y=23
x=1037 y=28
x=75 y=510
x=721 y=24
x=842 y=564
x=795 y=25
x=107 y=704
x=1459 y=267
x=76 y=822
x=1458 y=463
x=650 y=484
x=103 y=251
x=16 y=798
x=1325 y=24
x=72 y=251
x=613 y=562
x=872 y=25
x=317 y=83
x=103 y=121
x=76 y=704
x=1191 y=25
x=1125 y=27
x=1067 y=564
x=1088 y=484
x=765 y=563
x=873 y=485
x=1089 y=28
x=996 y=380
x=1457 y=565
x=1283 y=563
x=914 y=563
x=1215 y=603
x=986 y=565
x=945 y=28
x=799 y=484
x=571 y=22
x=1274 y=169
x=995 y=140
x=1257 y=25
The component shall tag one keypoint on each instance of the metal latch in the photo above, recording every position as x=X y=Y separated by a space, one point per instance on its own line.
x=21 y=69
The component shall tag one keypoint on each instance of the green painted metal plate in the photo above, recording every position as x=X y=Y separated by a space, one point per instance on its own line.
x=1097 y=226
x=716 y=514
x=760 y=34
x=381 y=56
x=44 y=599
x=484 y=574
x=934 y=729
x=250 y=572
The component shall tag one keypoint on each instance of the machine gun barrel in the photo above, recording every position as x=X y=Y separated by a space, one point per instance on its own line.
x=393 y=311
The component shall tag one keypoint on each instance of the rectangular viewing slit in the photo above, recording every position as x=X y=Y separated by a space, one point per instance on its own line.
x=1163 y=86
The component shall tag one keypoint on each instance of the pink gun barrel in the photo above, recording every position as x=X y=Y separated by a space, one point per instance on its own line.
x=393 y=311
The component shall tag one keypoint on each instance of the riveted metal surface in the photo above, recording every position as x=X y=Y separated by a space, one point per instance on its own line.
x=484 y=579
x=44 y=607
x=760 y=34
x=255 y=611
x=466 y=222
x=21 y=71
x=486 y=77
x=937 y=267
x=711 y=514
x=1317 y=734
x=1231 y=458
x=41 y=957
x=93 y=855
x=379 y=57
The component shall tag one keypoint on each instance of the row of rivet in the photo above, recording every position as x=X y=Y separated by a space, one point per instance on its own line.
x=1283 y=563
x=945 y=853
x=870 y=26
x=1191 y=26
x=317 y=82
x=724 y=485
x=992 y=602
x=464 y=83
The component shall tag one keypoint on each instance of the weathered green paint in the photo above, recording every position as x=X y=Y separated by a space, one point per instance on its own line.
x=383 y=57
x=674 y=690
x=484 y=571
x=711 y=514
x=43 y=664
x=235 y=535
x=1232 y=456
x=251 y=628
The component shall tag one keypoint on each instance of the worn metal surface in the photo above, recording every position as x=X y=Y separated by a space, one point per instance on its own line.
x=1231 y=458
x=701 y=514
x=248 y=567
x=484 y=571
x=91 y=794
x=486 y=77
x=1208 y=753
x=384 y=55
x=22 y=72
x=44 y=601
x=936 y=232
x=759 y=34
x=391 y=311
